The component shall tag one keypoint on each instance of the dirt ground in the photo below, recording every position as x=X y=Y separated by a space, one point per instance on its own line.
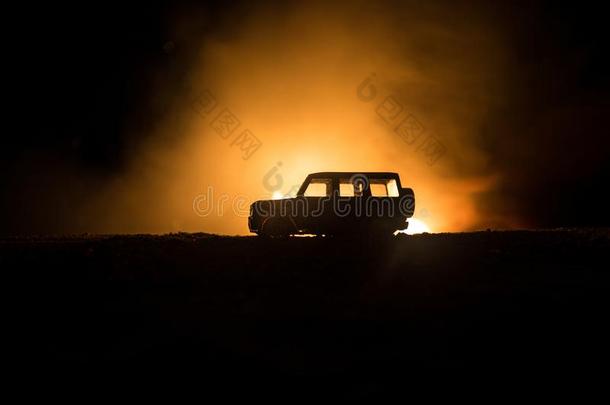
x=351 y=311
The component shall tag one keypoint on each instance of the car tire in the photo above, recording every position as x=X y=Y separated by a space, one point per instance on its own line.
x=276 y=228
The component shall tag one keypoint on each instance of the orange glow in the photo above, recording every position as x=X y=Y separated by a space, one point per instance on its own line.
x=416 y=226
x=294 y=84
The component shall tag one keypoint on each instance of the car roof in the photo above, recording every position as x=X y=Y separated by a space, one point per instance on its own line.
x=350 y=174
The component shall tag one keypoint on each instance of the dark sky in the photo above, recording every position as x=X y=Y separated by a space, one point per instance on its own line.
x=82 y=94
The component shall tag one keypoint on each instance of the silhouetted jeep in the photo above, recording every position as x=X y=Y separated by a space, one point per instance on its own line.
x=335 y=203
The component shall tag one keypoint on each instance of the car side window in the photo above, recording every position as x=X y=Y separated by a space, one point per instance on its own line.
x=392 y=188
x=379 y=189
x=318 y=188
x=346 y=188
x=384 y=188
x=349 y=188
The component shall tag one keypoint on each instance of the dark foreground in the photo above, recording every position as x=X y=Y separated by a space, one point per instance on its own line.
x=352 y=312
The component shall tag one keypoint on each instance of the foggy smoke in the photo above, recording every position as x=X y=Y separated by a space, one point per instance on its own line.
x=291 y=77
x=248 y=100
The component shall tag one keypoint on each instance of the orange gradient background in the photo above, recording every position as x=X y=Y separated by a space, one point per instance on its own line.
x=292 y=80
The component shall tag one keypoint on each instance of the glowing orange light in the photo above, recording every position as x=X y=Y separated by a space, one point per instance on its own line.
x=416 y=226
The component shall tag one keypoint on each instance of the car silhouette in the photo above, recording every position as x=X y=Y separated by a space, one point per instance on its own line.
x=337 y=203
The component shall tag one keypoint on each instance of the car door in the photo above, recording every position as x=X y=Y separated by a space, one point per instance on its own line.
x=315 y=205
x=383 y=203
x=348 y=203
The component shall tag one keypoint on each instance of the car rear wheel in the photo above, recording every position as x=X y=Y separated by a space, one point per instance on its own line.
x=276 y=228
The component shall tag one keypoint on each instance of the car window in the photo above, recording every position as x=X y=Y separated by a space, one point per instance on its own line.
x=392 y=188
x=346 y=188
x=349 y=188
x=318 y=188
x=379 y=190
x=384 y=188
